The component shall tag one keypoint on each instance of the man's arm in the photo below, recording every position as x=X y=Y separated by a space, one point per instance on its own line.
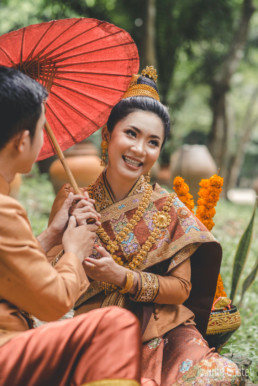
x=27 y=280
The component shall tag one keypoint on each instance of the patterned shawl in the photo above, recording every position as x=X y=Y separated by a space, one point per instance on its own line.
x=185 y=236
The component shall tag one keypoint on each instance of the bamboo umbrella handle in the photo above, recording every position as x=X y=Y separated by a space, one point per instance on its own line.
x=62 y=158
x=63 y=161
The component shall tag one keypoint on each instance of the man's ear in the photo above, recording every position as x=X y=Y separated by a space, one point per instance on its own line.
x=21 y=140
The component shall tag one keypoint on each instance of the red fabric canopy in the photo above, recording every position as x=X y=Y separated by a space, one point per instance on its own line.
x=86 y=65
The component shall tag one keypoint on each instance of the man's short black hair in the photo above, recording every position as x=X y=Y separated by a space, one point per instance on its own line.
x=21 y=100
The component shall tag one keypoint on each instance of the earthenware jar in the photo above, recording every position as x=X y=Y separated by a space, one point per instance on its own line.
x=192 y=162
x=84 y=163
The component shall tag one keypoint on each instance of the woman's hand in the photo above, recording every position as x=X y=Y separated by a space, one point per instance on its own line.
x=105 y=268
x=84 y=209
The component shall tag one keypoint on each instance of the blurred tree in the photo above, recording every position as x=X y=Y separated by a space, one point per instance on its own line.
x=236 y=159
x=220 y=85
x=149 y=37
x=197 y=46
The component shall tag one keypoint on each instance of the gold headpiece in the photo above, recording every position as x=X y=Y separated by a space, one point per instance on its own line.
x=151 y=72
x=143 y=89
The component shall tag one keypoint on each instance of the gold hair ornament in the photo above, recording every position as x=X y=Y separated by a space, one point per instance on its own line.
x=143 y=89
x=151 y=72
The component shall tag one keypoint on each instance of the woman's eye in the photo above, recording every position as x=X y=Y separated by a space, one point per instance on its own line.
x=131 y=133
x=154 y=142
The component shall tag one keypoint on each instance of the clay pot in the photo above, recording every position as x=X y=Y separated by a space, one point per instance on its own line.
x=45 y=164
x=15 y=186
x=82 y=148
x=192 y=162
x=85 y=169
x=164 y=176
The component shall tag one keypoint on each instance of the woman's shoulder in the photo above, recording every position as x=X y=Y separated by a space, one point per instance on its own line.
x=160 y=192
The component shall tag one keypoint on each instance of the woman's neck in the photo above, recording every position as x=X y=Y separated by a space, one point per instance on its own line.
x=120 y=188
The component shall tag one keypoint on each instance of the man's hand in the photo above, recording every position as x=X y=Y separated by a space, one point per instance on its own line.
x=83 y=210
x=53 y=234
x=79 y=239
x=83 y=207
x=78 y=205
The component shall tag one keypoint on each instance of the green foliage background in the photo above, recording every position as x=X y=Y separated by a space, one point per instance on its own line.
x=192 y=40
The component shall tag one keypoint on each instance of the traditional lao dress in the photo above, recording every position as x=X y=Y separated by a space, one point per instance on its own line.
x=178 y=262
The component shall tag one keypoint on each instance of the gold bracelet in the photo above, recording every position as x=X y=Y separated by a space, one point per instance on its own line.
x=129 y=282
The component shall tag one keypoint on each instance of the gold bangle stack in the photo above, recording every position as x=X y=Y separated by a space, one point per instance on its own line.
x=129 y=282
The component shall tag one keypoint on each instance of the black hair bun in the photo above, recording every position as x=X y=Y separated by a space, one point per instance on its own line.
x=148 y=81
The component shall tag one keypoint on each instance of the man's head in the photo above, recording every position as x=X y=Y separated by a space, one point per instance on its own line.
x=21 y=101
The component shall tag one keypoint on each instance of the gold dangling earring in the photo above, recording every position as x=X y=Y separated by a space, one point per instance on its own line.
x=147 y=177
x=104 y=146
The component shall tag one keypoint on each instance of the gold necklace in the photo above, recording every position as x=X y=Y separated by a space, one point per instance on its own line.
x=113 y=246
x=161 y=220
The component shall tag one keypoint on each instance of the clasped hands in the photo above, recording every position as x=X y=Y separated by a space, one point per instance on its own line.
x=78 y=237
x=103 y=268
x=78 y=205
x=72 y=231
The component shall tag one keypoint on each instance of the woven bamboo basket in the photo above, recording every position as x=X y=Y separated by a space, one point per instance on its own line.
x=222 y=324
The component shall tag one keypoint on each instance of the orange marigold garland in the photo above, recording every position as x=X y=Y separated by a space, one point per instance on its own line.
x=182 y=190
x=209 y=196
x=209 y=193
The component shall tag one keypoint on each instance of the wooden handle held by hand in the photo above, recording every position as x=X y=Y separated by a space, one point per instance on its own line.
x=65 y=165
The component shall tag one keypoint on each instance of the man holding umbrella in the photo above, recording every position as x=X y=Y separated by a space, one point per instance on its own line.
x=104 y=344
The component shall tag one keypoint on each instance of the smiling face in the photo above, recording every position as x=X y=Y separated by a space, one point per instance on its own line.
x=134 y=146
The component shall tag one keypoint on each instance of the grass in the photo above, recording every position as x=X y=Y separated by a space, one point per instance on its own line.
x=37 y=195
x=231 y=220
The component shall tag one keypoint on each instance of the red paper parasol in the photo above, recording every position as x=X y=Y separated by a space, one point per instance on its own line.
x=86 y=65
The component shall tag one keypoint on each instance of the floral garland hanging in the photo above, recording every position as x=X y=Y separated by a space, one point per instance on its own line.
x=182 y=190
x=209 y=193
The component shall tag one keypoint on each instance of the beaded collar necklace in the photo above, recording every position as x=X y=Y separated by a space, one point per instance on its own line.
x=161 y=219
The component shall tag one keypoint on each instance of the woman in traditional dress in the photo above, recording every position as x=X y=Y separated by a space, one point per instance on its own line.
x=152 y=255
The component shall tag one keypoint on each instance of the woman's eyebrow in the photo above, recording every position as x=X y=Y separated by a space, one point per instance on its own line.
x=155 y=136
x=139 y=131
x=135 y=128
